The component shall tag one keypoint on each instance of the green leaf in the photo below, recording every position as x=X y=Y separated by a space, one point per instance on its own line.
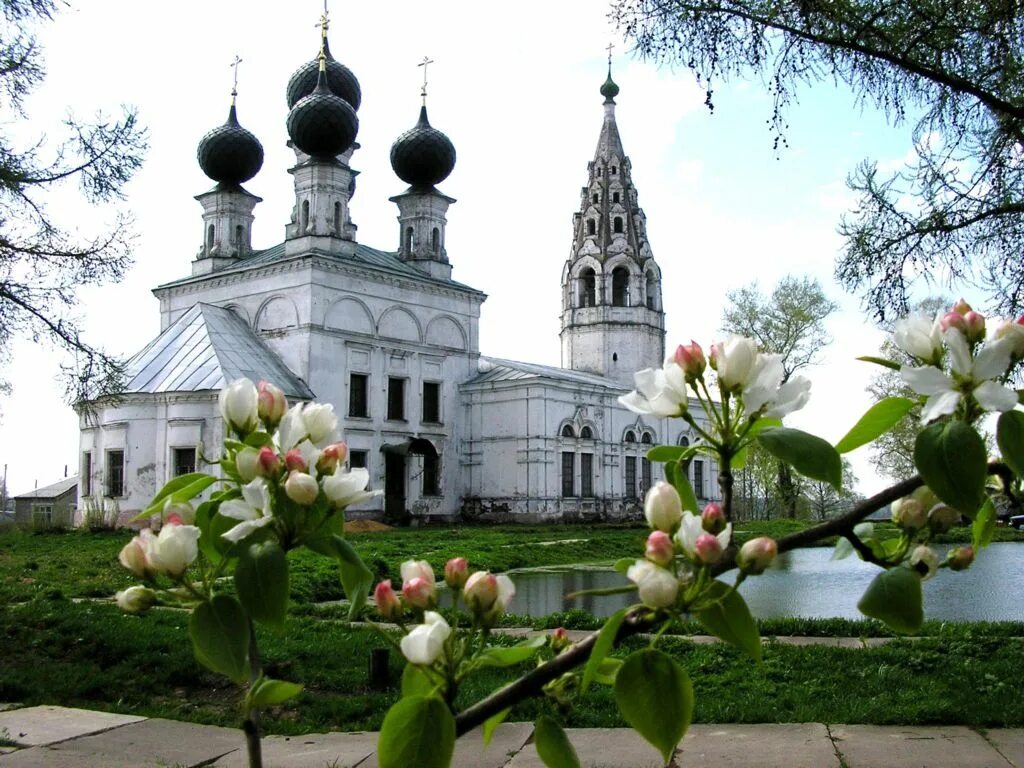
x=416 y=682
x=894 y=597
x=259 y=440
x=623 y=564
x=269 y=692
x=356 y=578
x=983 y=527
x=173 y=488
x=491 y=725
x=879 y=419
x=655 y=697
x=666 y=453
x=517 y=654
x=729 y=619
x=739 y=461
x=1010 y=438
x=808 y=454
x=843 y=549
x=607 y=671
x=417 y=731
x=951 y=458
x=220 y=637
x=261 y=580
x=553 y=745
x=605 y=642
x=885 y=363
x=675 y=474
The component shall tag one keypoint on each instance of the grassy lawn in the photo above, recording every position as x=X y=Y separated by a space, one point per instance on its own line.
x=91 y=655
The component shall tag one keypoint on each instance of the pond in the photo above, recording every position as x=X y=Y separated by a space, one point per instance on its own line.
x=806 y=583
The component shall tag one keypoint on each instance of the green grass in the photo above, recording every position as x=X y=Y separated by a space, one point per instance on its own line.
x=91 y=655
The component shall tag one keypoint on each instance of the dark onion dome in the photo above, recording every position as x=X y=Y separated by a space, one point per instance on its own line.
x=322 y=124
x=340 y=80
x=229 y=154
x=422 y=156
x=609 y=89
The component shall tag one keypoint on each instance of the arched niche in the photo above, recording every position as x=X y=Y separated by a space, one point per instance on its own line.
x=276 y=314
x=444 y=331
x=349 y=314
x=399 y=323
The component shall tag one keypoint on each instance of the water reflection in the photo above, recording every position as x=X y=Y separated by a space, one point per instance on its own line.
x=807 y=583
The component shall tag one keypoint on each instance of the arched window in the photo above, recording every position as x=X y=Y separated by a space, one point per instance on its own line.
x=630 y=437
x=337 y=218
x=599 y=173
x=587 y=433
x=614 y=170
x=408 y=239
x=684 y=441
x=239 y=230
x=209 y=238
x=652 y=291
x=620 y=287
x=588 y=282
x=435 y=240
x=618 y=225
x=567 y=431
x=615 y=197
x=597 y=198
x=305 y=215
x=646 y=438
x=591 y=227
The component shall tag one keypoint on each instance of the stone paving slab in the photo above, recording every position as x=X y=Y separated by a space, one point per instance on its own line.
x=149 y=744
x=1010 y=743
x=34 y=726
x=871 y=746
x=798 y=745
x=316 y=750
x=470 y=752
x=599 y=748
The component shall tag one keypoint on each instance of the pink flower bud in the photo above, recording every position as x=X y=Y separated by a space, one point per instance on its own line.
x=756 y=555
x=269 y=463
x=330 y=457
x=419 y=593
x=271 y=405
x=961 y=307
x=712 y=519
x=388 y=604
x=247 y=462
x=133 y=557
x=690 y=357
x=659 y=548
x=301 y=488
x=456 y=571
x=960 y=559
x=559 y=639
x=975 y=326
x=481 y=592
x=295 y=461
x=953 y=320
x=708 y=549
x=179 y=513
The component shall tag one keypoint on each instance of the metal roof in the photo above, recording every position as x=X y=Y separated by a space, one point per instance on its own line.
x=51 y=491
x=205 y=349
x=493 y=369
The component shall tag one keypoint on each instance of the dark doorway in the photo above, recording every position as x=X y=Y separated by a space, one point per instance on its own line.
x=394 y=488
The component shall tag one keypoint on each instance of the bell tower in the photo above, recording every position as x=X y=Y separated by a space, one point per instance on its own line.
x=613 y=323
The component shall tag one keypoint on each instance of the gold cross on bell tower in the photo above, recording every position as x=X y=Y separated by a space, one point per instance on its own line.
x=425 y=63
x=609 y=49
x=234 y=87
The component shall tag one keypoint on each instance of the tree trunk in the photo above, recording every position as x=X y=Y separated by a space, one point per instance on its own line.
x=787 y=491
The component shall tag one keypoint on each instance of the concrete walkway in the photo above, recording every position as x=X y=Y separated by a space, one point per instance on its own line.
x=47 y=737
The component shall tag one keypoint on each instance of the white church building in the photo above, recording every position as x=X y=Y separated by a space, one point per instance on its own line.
x=392 y=341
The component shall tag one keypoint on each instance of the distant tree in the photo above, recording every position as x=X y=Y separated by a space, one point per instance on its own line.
x=823 y=501
x=956 y=211
x=791 y=323
x=756 y=486
x=43 y=261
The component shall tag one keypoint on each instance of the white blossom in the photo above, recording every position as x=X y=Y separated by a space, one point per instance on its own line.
x=657 y=587
x=425 y=642
x=659 y=391
x=253 y=509
x=691 y=529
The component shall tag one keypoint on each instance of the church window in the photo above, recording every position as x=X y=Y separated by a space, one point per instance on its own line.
x=614 y=170
x=618 y=225
x=115 y=474
x=87 y=474
x=615 y=357
x=567 y=431
x=597 y=198
x=586 y=474
x=238 y=235
x=630 y=490
x=698 y=479
x=599 y=173
x=652 y=291
x=646 y=438
x=305 y=215
x=645 y=478
x=210 y=237
x=184 y=461
x=588 y=285
x=358 y=404
x=357 y=459
x=568 y=468
x=435 y=240
x=615 y=197
x=684 y=440
x=431 y=402
x=587 y=433
x=396 y=399
x=408 y=239
x=620 y=287
x=630 y=437
x=591 y=227
x=431 y=487
x=337 y=218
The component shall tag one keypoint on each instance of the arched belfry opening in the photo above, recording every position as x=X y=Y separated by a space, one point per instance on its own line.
x=588 y=287
x=620 y=287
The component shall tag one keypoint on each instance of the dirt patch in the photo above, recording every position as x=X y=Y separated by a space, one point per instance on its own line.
x=366 y=526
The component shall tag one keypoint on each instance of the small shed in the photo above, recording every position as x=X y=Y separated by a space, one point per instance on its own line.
x=52 y=506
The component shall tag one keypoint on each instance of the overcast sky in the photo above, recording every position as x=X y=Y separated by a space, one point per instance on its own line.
x=515 y=86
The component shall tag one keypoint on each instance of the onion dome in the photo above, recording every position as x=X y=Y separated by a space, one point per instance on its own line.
x=340 y=80
x=229 y=154
x=609 y=89
x=322 y=124
x=423 y=156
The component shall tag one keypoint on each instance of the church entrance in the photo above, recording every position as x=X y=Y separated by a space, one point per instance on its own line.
x=394 y=487
x=396 y=476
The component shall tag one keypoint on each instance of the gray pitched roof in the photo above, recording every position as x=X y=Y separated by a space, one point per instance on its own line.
x=494 y=369
x=205 y=349
x=51 y=491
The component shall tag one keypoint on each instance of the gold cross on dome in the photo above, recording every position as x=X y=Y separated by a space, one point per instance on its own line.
x=609 y=49
x=425 y=63
x=234 y=87
x=324 y=22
